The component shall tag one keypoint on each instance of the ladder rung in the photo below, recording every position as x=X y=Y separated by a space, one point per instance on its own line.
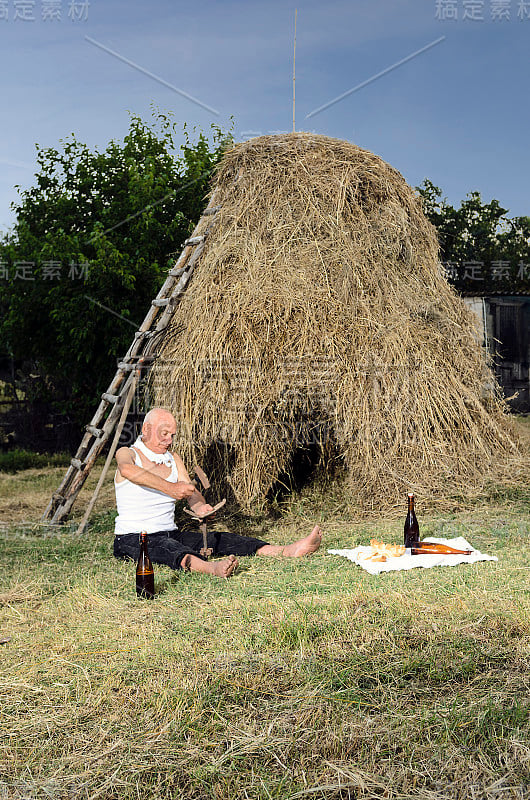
x=152 y=326
x=143 y=334
x=130 y=366
x=94 y=431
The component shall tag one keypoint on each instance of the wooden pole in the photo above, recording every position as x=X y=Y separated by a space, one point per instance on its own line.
x=294 y=68
x=114 y=445
x=145 y=343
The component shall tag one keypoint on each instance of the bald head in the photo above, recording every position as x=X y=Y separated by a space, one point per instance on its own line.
x=158 y=430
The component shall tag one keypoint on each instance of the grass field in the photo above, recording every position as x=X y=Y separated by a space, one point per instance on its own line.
x=294 y=679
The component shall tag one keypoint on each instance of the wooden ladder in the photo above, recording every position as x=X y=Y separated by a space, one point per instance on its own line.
x=139 y=356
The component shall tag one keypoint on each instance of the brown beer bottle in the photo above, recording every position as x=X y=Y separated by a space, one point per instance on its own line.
x=412 y=529
x=145 y=574
x=433 y=548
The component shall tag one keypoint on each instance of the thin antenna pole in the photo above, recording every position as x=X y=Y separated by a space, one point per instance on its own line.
x=294 y=67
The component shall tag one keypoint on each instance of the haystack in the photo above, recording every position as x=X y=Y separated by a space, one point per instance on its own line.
x=319 y=320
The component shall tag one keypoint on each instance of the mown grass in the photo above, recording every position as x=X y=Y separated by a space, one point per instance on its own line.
x=294 y=679
x=25 y=493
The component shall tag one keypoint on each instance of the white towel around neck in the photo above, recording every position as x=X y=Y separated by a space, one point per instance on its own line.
x=157 y=458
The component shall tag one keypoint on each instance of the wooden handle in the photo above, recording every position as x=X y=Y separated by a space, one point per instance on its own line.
x=202 y=477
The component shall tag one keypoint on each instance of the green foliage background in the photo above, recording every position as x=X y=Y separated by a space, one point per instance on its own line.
x=483 y=233
x=111 y=222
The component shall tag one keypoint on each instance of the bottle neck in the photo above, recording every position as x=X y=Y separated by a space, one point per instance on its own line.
x=411 y=503
x=143 y=547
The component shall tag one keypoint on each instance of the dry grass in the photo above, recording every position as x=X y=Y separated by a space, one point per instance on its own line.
x=25 y=495
x=305 y=679
x=319 y=321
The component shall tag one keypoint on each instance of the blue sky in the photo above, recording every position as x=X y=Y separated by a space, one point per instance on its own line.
x=457 y=113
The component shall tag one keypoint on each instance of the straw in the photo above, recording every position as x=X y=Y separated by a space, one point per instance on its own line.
x=319 y=321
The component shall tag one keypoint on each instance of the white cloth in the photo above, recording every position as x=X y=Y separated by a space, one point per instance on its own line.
x=157 y=458
x=408 y=561
x=141 y=508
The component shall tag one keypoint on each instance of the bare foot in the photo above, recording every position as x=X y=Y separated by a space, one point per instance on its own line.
x=303 y=547
x=223 y=569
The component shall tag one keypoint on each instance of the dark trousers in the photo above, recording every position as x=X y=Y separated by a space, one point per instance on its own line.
x=170 y=547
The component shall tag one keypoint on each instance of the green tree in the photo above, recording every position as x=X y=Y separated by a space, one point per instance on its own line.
x=480 y=234
x=96 y=228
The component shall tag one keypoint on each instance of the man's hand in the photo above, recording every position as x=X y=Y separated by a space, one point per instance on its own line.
x=202 y=509
x=182 y=490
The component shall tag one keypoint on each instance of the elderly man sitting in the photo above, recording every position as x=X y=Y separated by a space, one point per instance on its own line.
x=148 y=482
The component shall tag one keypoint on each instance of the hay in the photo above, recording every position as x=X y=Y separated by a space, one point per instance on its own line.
x=319 y=318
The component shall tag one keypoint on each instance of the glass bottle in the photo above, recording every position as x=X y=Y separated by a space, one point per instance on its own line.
x=433 y=548
x=412 y=529
x=145 y=574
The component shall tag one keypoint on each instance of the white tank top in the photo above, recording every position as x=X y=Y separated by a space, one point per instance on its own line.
x=144 y=509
